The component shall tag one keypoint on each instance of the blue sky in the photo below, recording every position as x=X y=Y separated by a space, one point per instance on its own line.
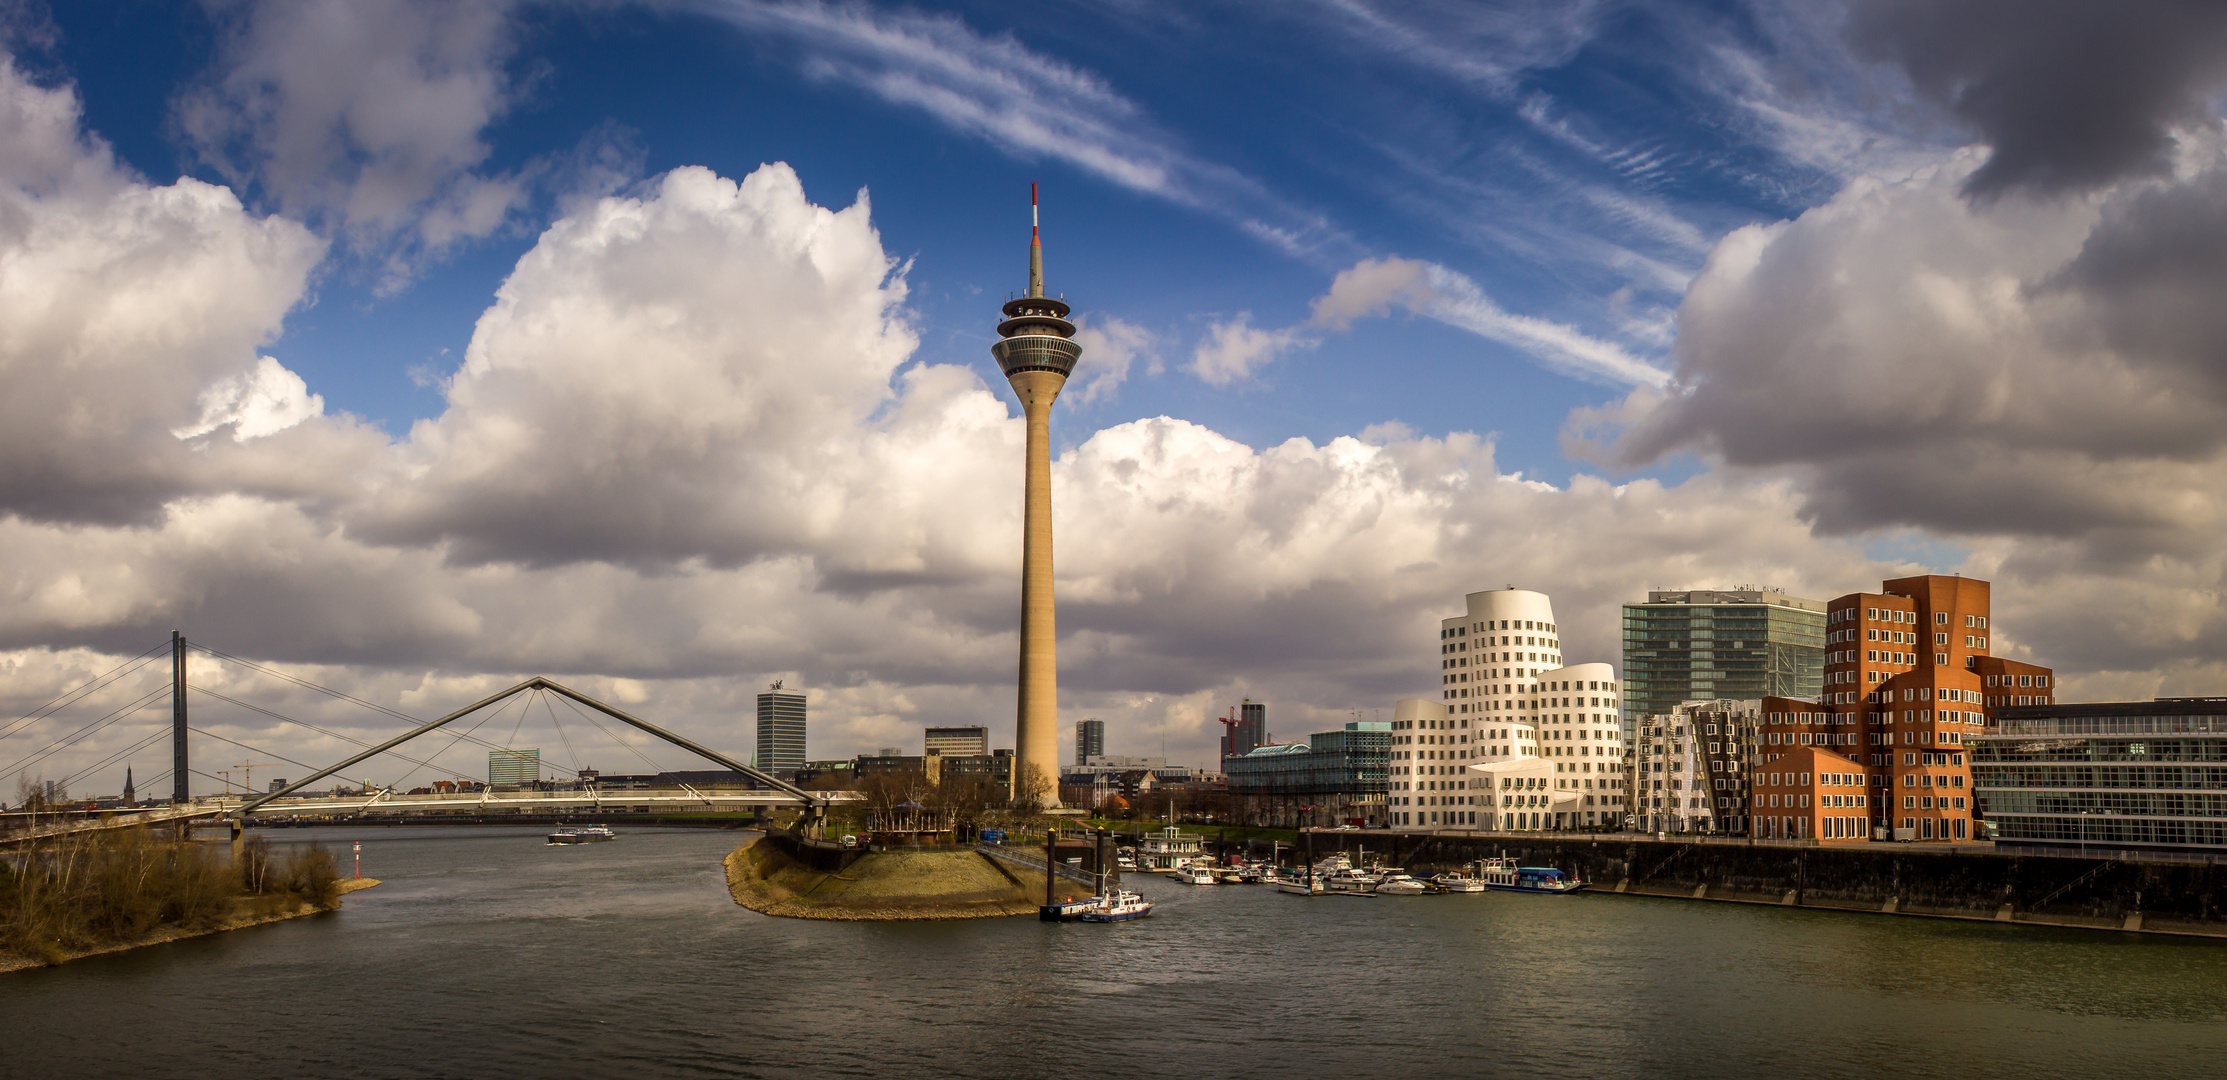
x=1577 y=173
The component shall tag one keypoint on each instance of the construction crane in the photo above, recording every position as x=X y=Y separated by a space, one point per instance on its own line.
x=247 y=769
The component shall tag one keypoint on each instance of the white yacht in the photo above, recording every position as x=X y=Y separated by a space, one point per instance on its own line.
x=1198 y=875
x=1300 y=883
x=1456 y=881
x=1400 y=883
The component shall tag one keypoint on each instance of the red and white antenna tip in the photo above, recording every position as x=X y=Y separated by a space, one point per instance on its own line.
x=1032 y=213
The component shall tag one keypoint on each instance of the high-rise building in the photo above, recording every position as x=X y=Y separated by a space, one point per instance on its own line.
x=1244 y=730
x=1036 y=350
x=1908 y=675
x=509 y=766
x=1519 y=739
x=780 y=731
x=1090 y=740
x=957 y=741
x=1719 y=644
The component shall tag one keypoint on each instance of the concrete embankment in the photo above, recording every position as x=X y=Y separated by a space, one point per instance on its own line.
x=776 y=876
x=249 y=912
x=1901 y=879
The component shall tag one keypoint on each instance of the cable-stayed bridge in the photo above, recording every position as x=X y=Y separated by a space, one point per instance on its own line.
x=474 y=803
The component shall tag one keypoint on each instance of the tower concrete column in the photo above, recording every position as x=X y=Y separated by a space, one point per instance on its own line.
x=1036 y=729
x=1036 y=351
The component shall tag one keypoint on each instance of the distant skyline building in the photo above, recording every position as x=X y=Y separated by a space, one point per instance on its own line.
x=510 y=766
x=1090 y=740
x=1720 y=644
x=1245 y=731
x=781 y=716
x=956 y=741
x=1037 y=351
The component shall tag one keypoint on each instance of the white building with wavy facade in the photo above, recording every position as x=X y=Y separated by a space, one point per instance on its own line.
x=1518 y=740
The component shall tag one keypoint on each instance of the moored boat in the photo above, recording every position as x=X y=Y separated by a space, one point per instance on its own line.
x=1456 y=881
x=1503 y=875
x=1120 y=906
x=1400 y=883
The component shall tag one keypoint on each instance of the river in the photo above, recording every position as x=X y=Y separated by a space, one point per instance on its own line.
x=488 y=954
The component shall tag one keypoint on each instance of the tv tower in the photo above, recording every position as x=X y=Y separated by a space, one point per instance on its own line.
x=1036 y=348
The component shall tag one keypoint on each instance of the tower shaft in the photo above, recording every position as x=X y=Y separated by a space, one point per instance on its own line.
x=1036 y=350
x=1036 y=727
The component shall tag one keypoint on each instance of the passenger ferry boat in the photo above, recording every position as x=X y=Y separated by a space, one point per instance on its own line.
x=1503 y=875
x=585 y=834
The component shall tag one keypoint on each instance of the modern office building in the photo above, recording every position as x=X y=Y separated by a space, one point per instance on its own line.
x=1090 y=740
x=2098 y=779
x=1689 y=767
x=513 y=766
x=1909 y=676
x=1720 y=644
x=1036 y=350
x=1334 y=778
x=1519 y=739
x=780 y=731
x=957 y=741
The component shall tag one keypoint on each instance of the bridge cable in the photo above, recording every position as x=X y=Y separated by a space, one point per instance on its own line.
x=328 y=691
x=80 y=734
x=118 y=756
x=566 y=739
x=619 y=739
x=466 y=733
x=79 y=691
x=256 y=749
x=283 y=718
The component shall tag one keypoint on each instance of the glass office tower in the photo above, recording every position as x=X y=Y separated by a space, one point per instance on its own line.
x=1706 y=644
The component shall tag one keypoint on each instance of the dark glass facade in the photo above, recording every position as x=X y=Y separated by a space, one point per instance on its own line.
x=1742 y=644
x=2134 y=775
x=1339 y=774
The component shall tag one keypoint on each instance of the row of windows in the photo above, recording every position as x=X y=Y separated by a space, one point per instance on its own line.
x=1997 y=749
x=2096 y=829
x=2088 y=776
x=2124 y=803
x=1503 y=624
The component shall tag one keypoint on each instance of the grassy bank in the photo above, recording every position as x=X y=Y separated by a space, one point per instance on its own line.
x=96 y=892
x=881 y=886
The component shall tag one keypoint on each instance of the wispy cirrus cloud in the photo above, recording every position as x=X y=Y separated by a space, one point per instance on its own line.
x=995 y=88
x=1375 y=286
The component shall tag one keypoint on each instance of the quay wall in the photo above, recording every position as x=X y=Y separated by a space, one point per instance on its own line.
x=1908 y=879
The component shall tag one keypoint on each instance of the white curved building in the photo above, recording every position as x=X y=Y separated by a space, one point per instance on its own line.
x=1518 y=739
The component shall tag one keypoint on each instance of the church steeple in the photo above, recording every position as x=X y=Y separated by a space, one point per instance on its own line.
x=131 y=797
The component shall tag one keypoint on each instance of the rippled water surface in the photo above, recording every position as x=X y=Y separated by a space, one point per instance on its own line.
x=488 y=954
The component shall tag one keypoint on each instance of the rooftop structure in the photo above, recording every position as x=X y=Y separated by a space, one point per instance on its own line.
x=956 y=741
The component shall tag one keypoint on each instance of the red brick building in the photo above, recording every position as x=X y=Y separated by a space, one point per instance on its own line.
x=1908 y=675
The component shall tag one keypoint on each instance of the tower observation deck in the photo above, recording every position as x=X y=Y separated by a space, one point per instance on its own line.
x=1037 y=351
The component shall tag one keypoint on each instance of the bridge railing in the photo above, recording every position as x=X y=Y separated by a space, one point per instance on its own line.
x=1033 y=861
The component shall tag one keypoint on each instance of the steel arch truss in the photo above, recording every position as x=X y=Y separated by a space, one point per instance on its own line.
x=810 y=802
